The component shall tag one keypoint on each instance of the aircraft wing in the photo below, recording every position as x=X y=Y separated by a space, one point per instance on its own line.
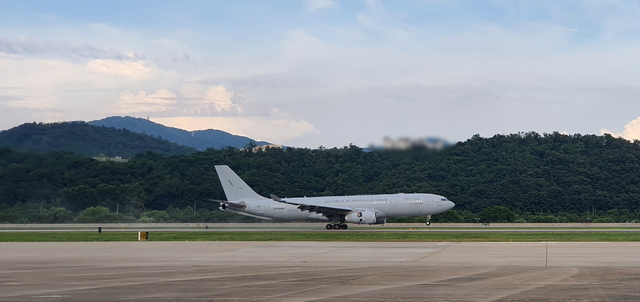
x=232 y=205
x=314 y=208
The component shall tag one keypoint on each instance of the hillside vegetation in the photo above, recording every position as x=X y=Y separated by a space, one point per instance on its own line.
x=87 y=140
x=518 y=177
x=200 y=139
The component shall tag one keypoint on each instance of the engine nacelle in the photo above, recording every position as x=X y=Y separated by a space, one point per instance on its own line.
x=364 y=217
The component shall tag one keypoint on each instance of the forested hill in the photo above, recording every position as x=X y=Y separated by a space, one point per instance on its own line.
x=529 y=172
x=200 y=139
x=87 y=140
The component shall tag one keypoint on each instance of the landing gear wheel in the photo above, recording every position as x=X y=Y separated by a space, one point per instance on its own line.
x=329 y=226
x=428 y=223
x=336 y=226
x=344 y=226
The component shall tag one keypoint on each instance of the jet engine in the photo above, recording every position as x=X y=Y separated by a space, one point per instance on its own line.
x=364 y=217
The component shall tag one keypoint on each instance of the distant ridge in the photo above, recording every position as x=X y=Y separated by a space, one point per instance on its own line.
x=200 y=139
x=87 y=140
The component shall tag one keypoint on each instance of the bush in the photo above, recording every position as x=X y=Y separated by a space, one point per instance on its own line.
x=498 y=214
x=101 y=215
x=543 y=219
x=603 y=220
x=154 y=216
x=57 y=215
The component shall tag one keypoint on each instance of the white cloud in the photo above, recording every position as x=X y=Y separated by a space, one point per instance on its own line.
x=207 y=100
x=372 y=3
x=142 y=102
x=219 y=98
x=631 y=130
x=271 y=129
x=316 y=5
x=61 y=49
x=139 y=70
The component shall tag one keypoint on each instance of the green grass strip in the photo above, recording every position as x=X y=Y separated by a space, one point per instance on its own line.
x=68 y=237
x=326 y=236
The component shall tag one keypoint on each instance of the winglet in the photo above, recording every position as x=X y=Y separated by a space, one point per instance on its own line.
x=276 y=198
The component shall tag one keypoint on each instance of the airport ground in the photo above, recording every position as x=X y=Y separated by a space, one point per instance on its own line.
x=314 y=226
x=319 y=271
x=316 y=232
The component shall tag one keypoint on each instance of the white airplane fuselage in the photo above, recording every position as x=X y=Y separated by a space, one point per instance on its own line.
x=385 y=206
x=360 y=209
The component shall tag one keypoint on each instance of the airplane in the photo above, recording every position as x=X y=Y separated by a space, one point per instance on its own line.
x=360 y=209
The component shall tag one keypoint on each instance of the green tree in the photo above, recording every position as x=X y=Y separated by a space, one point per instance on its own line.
x=498 y=214
x=101 y=215
x=451 y=216
x=57 y=215
x=154 y=216
x=543 y=219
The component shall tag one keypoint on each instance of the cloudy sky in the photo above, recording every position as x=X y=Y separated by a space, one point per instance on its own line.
x=326 y=72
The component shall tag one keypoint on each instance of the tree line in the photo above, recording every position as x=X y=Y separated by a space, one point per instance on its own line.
x=568 y=178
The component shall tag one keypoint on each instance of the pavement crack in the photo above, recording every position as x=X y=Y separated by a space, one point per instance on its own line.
x=438 y=251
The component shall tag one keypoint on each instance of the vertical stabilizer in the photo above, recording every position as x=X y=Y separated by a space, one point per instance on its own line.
x=234 y=187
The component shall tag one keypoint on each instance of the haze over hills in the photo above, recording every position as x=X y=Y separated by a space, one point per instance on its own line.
x=87 y=140
x=200 y=139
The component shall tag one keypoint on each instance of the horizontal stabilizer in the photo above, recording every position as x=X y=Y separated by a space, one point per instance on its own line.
x=230 y=204
x=276 y=198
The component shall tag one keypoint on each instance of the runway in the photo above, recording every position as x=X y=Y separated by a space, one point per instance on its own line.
x=319 y=271
x=320 y=227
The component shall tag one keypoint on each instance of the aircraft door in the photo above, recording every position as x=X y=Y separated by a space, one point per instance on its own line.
x=393 y=202
x=266 y=207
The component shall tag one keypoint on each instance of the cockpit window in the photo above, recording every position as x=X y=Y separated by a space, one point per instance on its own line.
x=443 y=199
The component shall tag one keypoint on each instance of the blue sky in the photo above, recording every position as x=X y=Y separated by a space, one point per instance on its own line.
x=326 y=72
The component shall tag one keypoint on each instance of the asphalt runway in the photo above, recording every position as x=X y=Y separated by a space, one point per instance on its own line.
x=319 y=271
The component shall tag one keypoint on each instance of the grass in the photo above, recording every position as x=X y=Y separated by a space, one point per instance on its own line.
x=326 y=236
x=67 y=237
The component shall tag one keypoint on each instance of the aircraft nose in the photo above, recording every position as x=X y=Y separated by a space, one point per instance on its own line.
x=450 y=205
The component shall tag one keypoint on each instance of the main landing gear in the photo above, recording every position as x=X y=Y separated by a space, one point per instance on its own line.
x=336 y=226
x=338 y=223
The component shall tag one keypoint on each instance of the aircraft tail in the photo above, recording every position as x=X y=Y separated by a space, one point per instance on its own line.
x=234 y=187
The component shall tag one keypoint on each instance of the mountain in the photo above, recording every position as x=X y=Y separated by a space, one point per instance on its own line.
x=201 y=139
x=87 y=140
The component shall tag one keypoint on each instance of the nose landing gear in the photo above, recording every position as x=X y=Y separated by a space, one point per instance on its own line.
x=428 y=222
